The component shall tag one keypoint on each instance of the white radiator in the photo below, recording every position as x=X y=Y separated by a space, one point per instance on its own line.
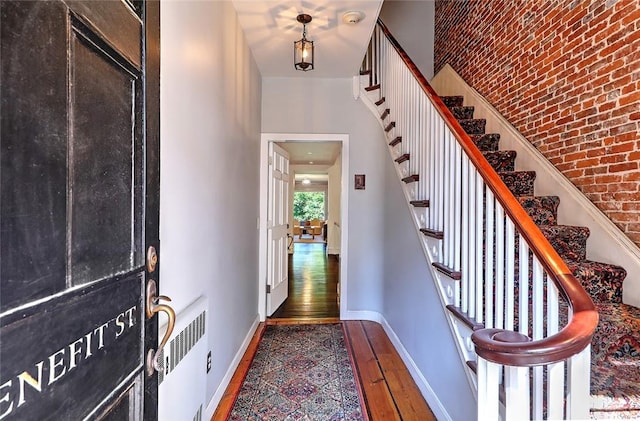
x=183 y=378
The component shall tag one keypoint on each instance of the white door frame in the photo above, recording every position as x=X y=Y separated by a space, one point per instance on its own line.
x=265 y=138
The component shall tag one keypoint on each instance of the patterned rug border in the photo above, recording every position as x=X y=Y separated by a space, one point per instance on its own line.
x=262 y=328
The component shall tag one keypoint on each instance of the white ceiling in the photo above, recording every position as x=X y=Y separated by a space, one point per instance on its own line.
x=311 y=159
x=270 y=27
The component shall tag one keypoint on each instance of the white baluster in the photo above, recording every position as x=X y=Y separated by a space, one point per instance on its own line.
x=510 y=237
x=446 y=195
x=464 y=241
x=488 y=383
x=499 y=291
x=578 y=381
x=471 y=242
x=479 y=247
x=523 y=288
x=488 y=274
x=516 y=385
x=538 y=332
x=457 y=216
x=555 y=372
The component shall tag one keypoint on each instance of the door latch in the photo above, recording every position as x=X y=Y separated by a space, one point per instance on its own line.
x=152 y=308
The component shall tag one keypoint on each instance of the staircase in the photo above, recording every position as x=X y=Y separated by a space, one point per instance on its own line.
x=498 y=279
x=615 y=346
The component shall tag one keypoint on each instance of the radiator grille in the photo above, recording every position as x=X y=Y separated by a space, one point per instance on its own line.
x=180 y=345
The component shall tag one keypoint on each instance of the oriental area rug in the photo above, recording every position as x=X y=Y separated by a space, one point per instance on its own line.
x=300 y=372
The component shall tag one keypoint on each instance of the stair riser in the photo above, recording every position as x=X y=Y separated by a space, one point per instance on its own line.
x=472 y=127
x=569 y=242
x=462 y=113
x=502 y=161
x=452 y=101
x=542 y=209
x=487 y=142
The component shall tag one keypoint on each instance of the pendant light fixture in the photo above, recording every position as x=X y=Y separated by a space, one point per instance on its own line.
x=303 y=49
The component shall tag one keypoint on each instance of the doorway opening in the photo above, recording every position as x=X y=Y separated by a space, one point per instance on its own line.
x=317 y=269
x=313 y=284
x=309 y=224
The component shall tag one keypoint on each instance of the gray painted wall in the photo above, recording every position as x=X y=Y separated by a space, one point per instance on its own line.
x=212 y=100
x=210 y=138
x=412 y=306
x=412 y=23
x=311 y=105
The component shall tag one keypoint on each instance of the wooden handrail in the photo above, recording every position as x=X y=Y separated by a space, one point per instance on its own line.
x=497 y=345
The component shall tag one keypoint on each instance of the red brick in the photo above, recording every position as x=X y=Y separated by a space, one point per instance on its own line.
x=627 y=166
x=584 y=100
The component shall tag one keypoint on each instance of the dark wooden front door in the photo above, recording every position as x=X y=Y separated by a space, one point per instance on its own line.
x=79 y=173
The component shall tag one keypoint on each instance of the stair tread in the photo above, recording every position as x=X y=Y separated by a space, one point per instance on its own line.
x=615 y=358
x=462 y=112
x=569 y=241
x=542 y=209
x=474 y=126
x=519 y=182
x=395 y=141
x=411 y=178
x=464 y=318
x=602 y=281
x=451 y=273
x=420 y=203
x=452 y=100
x=432 y=233
x=501 y=161
x=487 y=141
x=569 y=230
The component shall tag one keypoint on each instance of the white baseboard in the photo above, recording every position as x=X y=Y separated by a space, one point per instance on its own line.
x=425 y=388
x=333 y=250
x=215 y=400
x=372 y=316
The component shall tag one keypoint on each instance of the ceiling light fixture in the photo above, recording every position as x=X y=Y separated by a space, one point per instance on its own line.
x=303 y=49
x=306 y=181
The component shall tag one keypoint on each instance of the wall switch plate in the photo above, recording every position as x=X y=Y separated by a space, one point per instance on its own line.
x=209 y=362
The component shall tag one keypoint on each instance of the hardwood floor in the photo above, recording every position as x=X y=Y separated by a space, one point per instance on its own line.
x=313 y=284
x=388 y=390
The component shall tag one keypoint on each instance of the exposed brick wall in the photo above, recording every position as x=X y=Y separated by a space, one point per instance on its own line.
x=566 y=74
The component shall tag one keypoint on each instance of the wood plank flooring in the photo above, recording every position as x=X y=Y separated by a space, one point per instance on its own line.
x=313 y=284
x=388 y=390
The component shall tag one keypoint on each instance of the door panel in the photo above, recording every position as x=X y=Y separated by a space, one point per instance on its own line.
x=78 y=207
x=119 y=26
x=33 y=173
x=277 y=228
x=62 y=357
x=105 y=207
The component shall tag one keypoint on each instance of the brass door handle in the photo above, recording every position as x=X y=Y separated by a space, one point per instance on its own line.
x=151 y=309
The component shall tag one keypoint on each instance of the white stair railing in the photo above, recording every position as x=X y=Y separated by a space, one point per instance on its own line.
x=529 y=319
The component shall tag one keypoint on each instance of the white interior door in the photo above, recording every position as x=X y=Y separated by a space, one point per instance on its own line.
x=277 y=228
